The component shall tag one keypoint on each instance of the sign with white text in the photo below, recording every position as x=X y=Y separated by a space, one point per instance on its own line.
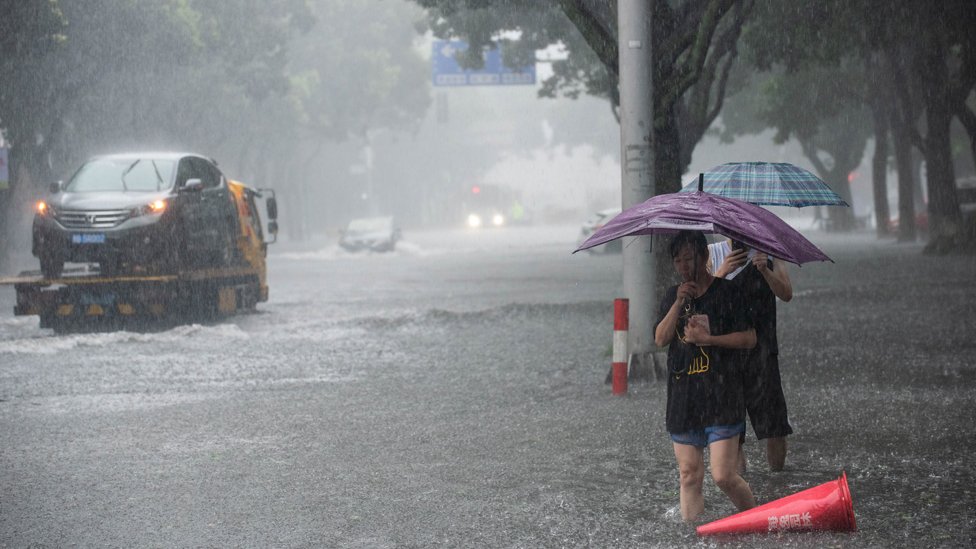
x=447 y=71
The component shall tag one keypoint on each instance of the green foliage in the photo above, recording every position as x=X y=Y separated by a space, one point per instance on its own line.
x=245 y=81
x=200 y=73
x=798 y=34
x=250 y=37
x=538 y=26
x=29 y=29
x=693 y=44
x=829 y=62
x=382 y=82
x=29 y=33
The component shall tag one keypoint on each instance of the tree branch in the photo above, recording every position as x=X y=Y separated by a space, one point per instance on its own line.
x=601 y=40
x=905 y=115
x=725 y=48
x=722 y=85
x=810 y=151
x=687 y=73
x=681 y=29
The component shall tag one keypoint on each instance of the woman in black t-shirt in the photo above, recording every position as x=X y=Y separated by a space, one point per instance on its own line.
x=705 y=328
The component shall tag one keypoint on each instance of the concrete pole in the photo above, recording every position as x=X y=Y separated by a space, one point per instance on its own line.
x=637 y=167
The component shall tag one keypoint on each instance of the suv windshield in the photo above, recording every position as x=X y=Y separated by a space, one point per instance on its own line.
x=123 y=174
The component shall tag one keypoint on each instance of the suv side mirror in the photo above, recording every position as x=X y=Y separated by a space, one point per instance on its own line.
x=55 y=187
x=195 y=184
x=273 y=227
x=272 y=206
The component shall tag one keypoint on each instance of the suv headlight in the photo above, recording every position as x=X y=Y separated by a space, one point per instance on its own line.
x=155 y=207
x=44 y=208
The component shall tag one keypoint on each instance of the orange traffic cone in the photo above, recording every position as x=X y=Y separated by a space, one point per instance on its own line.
x=824 y=507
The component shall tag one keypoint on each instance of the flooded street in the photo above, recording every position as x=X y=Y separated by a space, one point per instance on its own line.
x=452 y=394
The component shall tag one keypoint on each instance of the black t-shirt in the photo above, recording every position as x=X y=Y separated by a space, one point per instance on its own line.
x=761 y=302
x=704 y=384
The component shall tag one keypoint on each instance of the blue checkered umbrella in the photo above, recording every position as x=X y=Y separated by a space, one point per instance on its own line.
x=767 y=184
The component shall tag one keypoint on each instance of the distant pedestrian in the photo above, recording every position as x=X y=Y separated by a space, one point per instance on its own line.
x=761 y=279
x=704 y=328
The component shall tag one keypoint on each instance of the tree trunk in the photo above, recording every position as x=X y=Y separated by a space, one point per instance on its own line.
x=921 y=200
x=879 y=171
x=945 y=218
x=943 y=202
x=667 y=155
x=906 y=182
x=28 y=176
x=840 y=219
x=667 y=179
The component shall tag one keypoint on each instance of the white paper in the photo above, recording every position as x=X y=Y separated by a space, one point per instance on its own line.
x=720 y=250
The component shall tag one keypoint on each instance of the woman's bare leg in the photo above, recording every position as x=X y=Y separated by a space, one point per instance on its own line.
x=724 y=455
x=741 y=464
x=691 y=470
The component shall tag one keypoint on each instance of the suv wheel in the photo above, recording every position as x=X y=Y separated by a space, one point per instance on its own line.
x=51 y=266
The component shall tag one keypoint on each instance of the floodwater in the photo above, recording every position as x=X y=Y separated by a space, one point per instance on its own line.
x=452 y=394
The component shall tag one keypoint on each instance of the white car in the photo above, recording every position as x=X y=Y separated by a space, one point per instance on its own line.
x=377 y=234
x=594 y=222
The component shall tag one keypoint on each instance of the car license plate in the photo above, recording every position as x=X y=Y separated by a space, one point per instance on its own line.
x=88 y=238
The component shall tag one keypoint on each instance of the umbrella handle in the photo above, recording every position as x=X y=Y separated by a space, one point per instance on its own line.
x=701 y=182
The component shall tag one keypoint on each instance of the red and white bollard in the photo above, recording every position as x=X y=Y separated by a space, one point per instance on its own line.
x=621 y=324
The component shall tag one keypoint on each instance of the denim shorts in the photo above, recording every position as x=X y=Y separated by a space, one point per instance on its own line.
x=701 y=438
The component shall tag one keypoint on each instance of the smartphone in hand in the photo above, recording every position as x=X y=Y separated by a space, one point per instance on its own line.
x=700 y=320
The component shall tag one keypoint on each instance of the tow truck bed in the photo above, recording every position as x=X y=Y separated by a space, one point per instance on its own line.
x=82 y=299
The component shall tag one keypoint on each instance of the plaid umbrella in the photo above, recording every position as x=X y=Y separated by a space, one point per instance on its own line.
x=768 y=184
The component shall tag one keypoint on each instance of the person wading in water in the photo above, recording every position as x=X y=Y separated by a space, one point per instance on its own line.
x=705 y=327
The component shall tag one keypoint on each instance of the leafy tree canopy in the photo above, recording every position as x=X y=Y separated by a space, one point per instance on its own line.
x=693 y=44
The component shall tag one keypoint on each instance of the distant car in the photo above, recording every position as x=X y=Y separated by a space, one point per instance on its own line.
x=163 y=210
x=377 y=234
x=487 y=218
x=594 y=222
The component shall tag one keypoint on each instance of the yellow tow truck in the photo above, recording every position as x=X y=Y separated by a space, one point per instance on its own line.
x=83 y=299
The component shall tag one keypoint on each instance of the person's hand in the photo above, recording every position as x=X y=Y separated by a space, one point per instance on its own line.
x=696 y=334
x=733 y=261
x=687 y=291
x=761 y=261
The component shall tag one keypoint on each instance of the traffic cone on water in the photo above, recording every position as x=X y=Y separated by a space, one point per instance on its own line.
x=824 y=507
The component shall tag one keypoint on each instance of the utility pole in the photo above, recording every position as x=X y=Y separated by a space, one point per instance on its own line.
x=637 y=169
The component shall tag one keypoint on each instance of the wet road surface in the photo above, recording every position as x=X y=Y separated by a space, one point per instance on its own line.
x=451 y=394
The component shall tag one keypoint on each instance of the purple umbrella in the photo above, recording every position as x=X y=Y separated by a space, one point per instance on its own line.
x=752 y=225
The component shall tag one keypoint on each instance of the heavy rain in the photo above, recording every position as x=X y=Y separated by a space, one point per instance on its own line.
x=299 y=273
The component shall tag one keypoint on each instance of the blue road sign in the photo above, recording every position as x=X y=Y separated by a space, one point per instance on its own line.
x=447 y=71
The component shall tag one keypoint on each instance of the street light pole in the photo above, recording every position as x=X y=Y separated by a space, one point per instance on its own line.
x=637 y=167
